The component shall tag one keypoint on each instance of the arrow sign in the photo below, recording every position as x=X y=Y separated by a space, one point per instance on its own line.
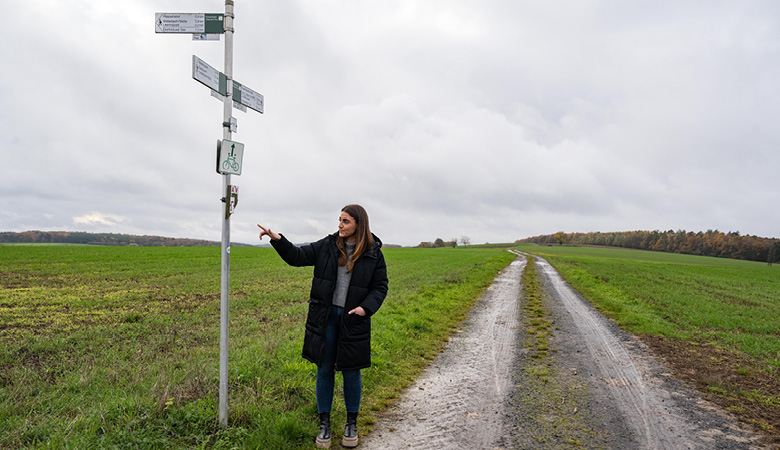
x=189 y=23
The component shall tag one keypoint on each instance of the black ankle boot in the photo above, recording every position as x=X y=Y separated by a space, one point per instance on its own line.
x=323 y=439
x=350 y=431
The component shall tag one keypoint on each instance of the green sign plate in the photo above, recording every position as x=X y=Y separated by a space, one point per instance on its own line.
x=214 y=23
x=248 y=97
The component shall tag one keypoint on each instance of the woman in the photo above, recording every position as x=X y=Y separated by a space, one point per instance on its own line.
x=349 y=286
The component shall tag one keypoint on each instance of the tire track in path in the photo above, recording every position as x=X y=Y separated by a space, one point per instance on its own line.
x=643 y=402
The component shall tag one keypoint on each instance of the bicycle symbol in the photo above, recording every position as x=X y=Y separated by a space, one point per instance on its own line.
x=231 y=163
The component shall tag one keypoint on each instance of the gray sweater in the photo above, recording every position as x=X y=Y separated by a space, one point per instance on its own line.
x=343 y=278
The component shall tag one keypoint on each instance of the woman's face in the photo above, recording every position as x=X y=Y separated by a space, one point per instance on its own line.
x=347 y=227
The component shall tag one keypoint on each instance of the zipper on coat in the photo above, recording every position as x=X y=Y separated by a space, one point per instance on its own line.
x=338 y=341
x=341 y=320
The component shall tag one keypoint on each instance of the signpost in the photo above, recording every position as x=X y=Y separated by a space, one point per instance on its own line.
x=205 y=26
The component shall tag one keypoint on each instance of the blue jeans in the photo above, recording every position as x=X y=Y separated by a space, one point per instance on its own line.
x=326 y=372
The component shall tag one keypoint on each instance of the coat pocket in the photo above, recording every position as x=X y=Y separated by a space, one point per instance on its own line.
x=314 y=336
x=356 y=328
x=317 y=317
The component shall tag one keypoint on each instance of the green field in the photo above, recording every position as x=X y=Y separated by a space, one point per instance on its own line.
x=734 y=303
x=116 y=347
x=716 y=321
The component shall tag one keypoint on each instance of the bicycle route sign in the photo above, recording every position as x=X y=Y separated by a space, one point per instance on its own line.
x=231 y=154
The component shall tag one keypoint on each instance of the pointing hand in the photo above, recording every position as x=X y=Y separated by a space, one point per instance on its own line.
x=267 y=231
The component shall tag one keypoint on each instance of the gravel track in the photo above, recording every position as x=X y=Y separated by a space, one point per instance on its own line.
x=640 y=404
x=468 y=397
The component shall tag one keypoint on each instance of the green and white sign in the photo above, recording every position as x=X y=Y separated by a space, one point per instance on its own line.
x=247 y=97
x=189 y=23
x=217 y=82
x=209 y=76
x=231 y=154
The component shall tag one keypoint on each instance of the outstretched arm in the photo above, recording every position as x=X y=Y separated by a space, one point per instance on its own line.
x=305 y=255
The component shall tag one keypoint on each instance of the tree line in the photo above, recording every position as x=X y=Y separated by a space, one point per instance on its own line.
x=710 y=243
x=79 y=237
x=439 y=242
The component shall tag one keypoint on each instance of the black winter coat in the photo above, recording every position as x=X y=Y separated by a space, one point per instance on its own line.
x=367 y=288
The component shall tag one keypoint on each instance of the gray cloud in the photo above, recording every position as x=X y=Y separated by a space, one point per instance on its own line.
x=496 y=120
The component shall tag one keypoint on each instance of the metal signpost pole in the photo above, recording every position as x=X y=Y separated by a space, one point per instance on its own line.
x=225 y=282
x=208 y=27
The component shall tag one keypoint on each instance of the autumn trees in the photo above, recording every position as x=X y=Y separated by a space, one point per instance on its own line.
x=709 y=243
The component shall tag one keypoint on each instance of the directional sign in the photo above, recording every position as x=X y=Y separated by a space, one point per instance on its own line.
x=189 y=23
x=208 y=75
x=231 y=154
x=217 y=82
x=248 y=97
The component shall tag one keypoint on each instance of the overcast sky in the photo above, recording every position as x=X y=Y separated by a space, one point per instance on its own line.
x=492 y=119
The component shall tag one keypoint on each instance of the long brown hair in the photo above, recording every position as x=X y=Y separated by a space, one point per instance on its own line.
x=363 y=238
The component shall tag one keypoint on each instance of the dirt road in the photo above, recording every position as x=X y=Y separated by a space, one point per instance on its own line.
x=478 y=393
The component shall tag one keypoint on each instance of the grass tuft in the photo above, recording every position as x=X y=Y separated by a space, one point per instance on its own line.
x=548 y=397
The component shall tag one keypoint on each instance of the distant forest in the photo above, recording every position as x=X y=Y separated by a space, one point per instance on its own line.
x=710 y=243
x=78 y=237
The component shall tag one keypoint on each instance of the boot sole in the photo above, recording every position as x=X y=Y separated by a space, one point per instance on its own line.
x=322 y=443
x=349 y=442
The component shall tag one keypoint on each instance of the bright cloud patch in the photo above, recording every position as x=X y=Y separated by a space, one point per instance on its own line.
x=97 y=218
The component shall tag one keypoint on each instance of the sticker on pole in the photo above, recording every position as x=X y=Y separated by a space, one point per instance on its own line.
x=231 y=198
x=231 y=154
